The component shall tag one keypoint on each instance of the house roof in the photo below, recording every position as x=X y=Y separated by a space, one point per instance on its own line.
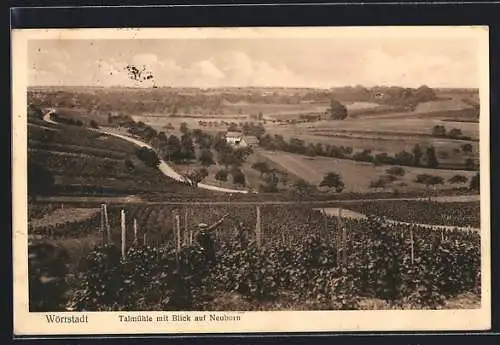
x=233 y=134
x=251 y=139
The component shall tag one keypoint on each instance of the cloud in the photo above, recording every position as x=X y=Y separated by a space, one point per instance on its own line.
x=325 y=67
x=415 y=69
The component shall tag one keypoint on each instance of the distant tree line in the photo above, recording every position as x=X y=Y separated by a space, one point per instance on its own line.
x=419 y=156
x=439 y=131
x=170 y=101
x=394 y=96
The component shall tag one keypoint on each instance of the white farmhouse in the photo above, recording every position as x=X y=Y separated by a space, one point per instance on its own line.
x=233 y=137
x=249 y=141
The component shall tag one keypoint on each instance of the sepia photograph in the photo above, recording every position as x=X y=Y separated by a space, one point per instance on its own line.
x=191 y=180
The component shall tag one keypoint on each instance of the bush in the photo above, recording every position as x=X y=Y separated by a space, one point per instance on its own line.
x=396 y=171
x=457 y=179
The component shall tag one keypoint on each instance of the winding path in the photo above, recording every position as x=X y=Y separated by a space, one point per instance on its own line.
x=163 y=166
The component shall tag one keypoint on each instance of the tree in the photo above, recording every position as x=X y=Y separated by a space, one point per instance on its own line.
x=404 y=158
x=197 y=176
x=470 y=164
x=174 y=148
x=363 y=156
x=221 y=175
x=148 y=156
x=378 y=184
x=227 y=158
x=438 y=131
x=302 y=188
x=40 y=180
x=457 y=179
x=238 y=176
x=396 y=171
x=455 y=133
x=184 y=128
x=424 y=94
x=332 y=180
x=474 y=183
x=417 y=154
x=188 y=151
x=261 y=167
x=466 y=148
x=429 y=180
x=432 y=161
x=206 y=158
x=272 y=181
x=93 y=124
x=337 y=110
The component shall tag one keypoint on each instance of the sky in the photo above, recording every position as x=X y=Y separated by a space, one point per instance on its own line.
x=265 y=62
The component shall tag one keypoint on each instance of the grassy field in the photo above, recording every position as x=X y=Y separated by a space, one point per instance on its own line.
x=403 y=126
x=356 y=175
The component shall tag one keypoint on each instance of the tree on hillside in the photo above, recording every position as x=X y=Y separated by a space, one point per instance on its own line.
x=261 y=167
x=337 y=110
x=332 y=180
x=438 y=131
x=470 y=164
x=184 y=128
x=148 y=156
x=431 y=158
x=404 y=158
x=238 y=176
x=455 y=133
x=466 y=148
x=457 y=179
x=424 y=94
x=396 y=171
x=380 y=183
x=188 y=150
x=417 y=155
x=429 y=180
x=311 y=150
x=221 y=176
x=93 y=124
x=40 y=180
x=474 y=183
x=302 y=188
x=271 y=183
x=174 y=148
x=197 y=176
x=206 y=158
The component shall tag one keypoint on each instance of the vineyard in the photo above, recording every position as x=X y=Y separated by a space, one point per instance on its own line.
x=436 y=213
x=267 y=258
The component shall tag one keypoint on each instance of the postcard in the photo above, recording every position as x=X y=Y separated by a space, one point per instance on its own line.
x=240 y=180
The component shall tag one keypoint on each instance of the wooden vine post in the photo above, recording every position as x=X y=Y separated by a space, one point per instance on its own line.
x=178 y=237
x=101 y=225
x=344 y=238
x=411 y=243
x=258 y=230
x=135 y=231
x=186 y=228
x=106 y=220
x=124 y=238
